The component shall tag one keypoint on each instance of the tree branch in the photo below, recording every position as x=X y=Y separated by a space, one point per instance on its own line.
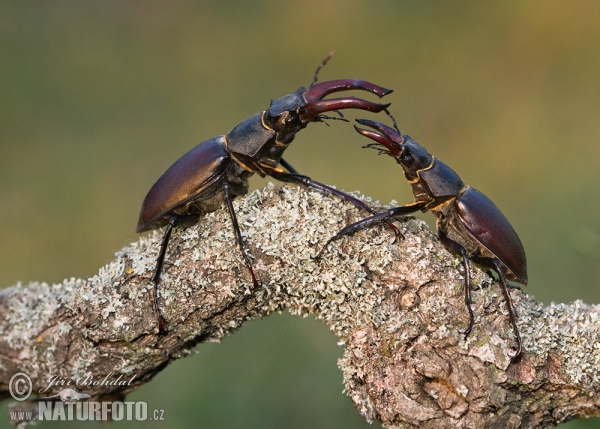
x=398 y=307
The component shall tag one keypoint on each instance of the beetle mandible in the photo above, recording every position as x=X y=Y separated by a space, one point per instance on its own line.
x=217 y=170
x=469 y=224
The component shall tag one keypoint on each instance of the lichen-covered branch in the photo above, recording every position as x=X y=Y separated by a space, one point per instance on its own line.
x=398 y=306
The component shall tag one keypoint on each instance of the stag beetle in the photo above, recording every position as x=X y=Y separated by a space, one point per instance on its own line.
x=217 y=170
x=469 y=224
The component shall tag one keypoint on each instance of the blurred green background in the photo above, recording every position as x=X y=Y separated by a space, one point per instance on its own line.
x=97 y=99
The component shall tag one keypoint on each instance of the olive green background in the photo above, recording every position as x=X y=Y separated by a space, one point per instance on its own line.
x=97 y=99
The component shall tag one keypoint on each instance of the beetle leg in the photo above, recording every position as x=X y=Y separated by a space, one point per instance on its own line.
x=384 y=216
x=236 y=229
x=287 y=166
x=158 y=269
x=307 y=181
x=456 y=248
x=511 y=310
x=468 y=300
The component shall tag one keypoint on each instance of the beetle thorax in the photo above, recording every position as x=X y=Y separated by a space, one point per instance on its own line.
x=421 y=192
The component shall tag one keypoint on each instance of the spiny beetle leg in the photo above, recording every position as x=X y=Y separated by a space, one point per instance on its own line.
x=384 y=216
x=287 y=166
x=307 y=181
x=509 y=304
x=468 y=300
x=236 y=229
x=456 y=248
x=158 y=269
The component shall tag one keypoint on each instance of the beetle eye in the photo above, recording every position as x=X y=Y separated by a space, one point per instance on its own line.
x=406 y=158
x=291 y=120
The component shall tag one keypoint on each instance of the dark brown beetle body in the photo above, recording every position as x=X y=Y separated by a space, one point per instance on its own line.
x=193 y=185
x=217 y=170
x=469 y=223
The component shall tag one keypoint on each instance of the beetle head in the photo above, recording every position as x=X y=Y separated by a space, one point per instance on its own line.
x=283 y=116
x=289 y=114
x=409 y=154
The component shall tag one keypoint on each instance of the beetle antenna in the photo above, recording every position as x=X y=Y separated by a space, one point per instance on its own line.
x=378 y=148
x=316 y=76
x=325 y=118
x=393 y=120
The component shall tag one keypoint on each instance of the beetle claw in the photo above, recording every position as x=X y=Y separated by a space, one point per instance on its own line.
x=384 y=131
x=397 y=234
x=320 y=90
x=311 y=110
x=469 y=329
x=518 y=349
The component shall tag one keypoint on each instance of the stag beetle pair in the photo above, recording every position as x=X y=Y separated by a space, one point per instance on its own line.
x=217 y=170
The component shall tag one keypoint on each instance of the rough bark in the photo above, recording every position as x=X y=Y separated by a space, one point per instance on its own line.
x=398 y=308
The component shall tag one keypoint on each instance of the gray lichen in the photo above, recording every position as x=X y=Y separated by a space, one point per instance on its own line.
x=396 y=305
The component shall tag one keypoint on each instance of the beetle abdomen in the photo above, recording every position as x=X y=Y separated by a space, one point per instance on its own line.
x=488 y=225
x=195 y=175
